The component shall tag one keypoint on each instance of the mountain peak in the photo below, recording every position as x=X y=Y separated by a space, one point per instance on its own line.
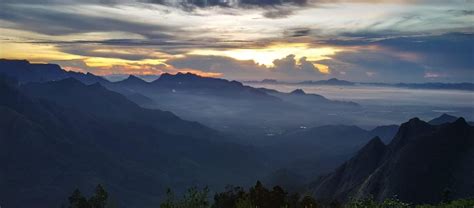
x=298 y=92
x=461 y=121
x=415 y=124
x=134 y=78
x=375 y=144
x=444 y=118
x=414 y=120
x=332 y=81
x=409 y=131
x=419 y=149
x=179 y=75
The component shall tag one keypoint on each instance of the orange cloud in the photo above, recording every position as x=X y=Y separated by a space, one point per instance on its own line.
x=135 y=68
x=323 y=68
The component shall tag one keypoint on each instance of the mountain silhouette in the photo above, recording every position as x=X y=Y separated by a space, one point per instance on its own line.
x=25 y=71
x=420 y=163
x=298 y=92
x=444 y=118
x=332 y=81
x=224 y=105
x=188 y=82
x=132 y=80
x=60 y=135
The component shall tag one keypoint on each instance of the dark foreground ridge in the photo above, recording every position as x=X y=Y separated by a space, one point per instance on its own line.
x=420 y=163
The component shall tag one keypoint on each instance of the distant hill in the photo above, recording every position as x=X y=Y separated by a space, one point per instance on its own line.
x=428 y=85
x=445 y=118
x=225 y=105
x=332 y=81
x=310 y=100
x=417 y=166
x=25 y=71
x=435 y=85
x=132 y=81
x=337 y=82
x=229 y=105
x=187 y=82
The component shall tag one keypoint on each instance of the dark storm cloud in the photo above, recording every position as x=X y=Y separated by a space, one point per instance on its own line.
x=46 y=20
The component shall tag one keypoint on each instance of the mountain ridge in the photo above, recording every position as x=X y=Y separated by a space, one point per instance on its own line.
x=417 y=166
x=71 y=145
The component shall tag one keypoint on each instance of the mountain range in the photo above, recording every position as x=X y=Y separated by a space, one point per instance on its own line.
x=224 y=105
x=338 y=82
x=62 y=130
x=58 y=135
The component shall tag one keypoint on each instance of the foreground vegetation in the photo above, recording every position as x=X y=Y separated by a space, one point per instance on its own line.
x=257 y=196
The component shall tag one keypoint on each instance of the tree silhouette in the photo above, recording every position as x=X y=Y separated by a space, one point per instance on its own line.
x=98 y=200
x=194 y=198
x=259 y=195
x=308 y=202
x=76 y=200
x=278 y=197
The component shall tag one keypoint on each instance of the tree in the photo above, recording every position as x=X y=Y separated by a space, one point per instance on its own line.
x=76 y=200
x=259 y=195
x=229 y=198
x=244 y=202
x=278 y=197
x=169 y=202
x=293 y=200
x=194 y=198
x=446 y=195
x=308 y=202
x=99 y=200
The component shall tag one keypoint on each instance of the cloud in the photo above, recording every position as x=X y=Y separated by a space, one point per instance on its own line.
x=67 y=19
x=229 y=67
x=226 y=3
x=287 y=68
x=447 y=57
x=290 y=65
x=367 y=40
x=278 y=13
x=130 y=68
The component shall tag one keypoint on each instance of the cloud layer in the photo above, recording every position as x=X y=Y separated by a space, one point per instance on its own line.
x=389 y=41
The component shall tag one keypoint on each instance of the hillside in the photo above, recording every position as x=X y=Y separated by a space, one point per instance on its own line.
x=417 y=166
x=52 y=143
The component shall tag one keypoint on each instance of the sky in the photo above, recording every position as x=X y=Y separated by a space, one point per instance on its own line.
x=290 y=40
